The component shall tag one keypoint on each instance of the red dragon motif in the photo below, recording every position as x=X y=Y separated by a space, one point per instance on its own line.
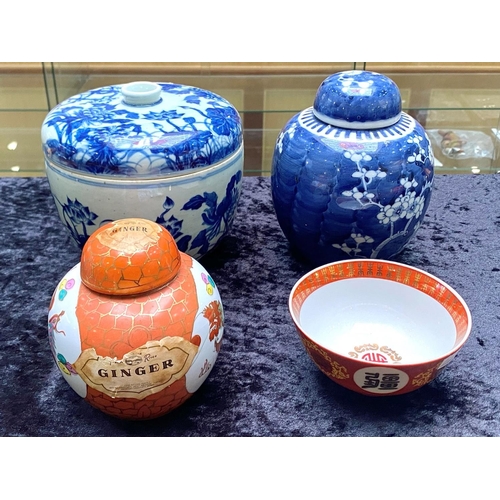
x=214 y=315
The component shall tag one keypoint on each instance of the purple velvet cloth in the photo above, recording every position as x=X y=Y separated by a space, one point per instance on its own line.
x=263 y=383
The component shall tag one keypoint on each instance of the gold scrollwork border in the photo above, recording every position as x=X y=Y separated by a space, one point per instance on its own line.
x=391 y=353
x=422 y=378
x=337 y=371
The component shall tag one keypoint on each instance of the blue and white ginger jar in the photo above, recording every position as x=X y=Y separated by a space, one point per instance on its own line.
x=352 y=175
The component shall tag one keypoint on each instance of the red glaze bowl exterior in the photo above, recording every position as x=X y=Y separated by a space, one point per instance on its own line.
x=372 y=369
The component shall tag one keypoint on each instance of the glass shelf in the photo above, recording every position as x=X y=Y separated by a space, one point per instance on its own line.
x=443 y=97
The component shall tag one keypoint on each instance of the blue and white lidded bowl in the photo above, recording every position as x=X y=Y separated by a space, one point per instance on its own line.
x=352 y=175
x=165 y=152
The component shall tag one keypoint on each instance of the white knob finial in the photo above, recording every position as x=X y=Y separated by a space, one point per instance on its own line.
x=140 y=93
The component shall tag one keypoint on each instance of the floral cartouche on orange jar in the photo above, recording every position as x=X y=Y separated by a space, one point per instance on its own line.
x=136 y=327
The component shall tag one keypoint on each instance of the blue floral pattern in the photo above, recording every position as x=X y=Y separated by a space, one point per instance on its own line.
x=77 y=219
x=96 y=133
x=216 y=218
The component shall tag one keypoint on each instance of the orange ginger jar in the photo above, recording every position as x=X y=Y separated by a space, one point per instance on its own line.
x=136 y=326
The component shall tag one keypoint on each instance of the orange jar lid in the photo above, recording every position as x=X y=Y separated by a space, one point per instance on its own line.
x=129 y=256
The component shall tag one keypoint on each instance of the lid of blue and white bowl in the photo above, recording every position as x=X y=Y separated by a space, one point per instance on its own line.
x=141 y=129
x=358 y=100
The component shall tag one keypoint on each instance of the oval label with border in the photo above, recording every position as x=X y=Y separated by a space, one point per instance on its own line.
x=380 y=380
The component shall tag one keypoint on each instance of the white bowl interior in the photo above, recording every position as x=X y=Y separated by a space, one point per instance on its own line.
x=396 y=320
x=354 y=312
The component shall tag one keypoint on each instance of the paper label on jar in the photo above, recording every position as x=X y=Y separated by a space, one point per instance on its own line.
x=141 y=372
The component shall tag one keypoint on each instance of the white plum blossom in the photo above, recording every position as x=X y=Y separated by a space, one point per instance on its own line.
x=365 y=175
x=354 y=193
x=415 y=205
x=415 y=140
x=346 y=248
x=360 y=196
x=406 y=206
x=430 y=152
x=281 y=136
x=407 y=183
x=421 y=155
x=394 y=212
x=357 y=157
x=359 y=238
x=409 y=203
x=279 y=142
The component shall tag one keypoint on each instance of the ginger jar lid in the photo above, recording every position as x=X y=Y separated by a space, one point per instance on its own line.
x=141 y=129
x=129 y=257
x=358 y=100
